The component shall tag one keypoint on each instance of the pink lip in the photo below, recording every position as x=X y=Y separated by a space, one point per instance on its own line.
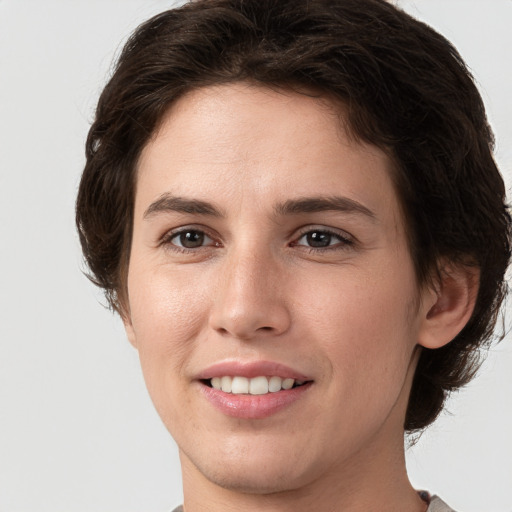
x=252 y=406
x=251 y=370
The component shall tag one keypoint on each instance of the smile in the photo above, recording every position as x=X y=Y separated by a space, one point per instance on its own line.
x=261 y=385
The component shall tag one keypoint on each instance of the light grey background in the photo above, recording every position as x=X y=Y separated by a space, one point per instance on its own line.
x=77 y=430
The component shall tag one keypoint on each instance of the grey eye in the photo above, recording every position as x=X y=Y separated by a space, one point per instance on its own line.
x=319 y=239
x=191 y=239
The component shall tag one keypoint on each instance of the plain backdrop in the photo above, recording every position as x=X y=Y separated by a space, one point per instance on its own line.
x=77 y=429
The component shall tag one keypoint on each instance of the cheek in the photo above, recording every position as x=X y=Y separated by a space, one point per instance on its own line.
x=366 y=322
x=167 y=314
x=369 y=351
x=167 y=310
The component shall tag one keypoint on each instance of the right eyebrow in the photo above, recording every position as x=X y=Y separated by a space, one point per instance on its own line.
x=323 y=204
x=169 y=203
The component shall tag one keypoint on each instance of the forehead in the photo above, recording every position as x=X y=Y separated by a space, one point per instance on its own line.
x=241 y=143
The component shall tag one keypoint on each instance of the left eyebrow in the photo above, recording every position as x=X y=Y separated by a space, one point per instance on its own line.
x=170 y=203
x=323 y=204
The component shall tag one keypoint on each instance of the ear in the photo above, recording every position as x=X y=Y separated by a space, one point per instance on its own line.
x=128 y=327
x=122 y=307
x=124 y=313
x=448 y=307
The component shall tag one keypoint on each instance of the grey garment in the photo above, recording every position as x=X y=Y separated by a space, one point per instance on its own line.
x=436 y=505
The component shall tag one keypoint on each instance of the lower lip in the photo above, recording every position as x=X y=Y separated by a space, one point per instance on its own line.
x=253 y=406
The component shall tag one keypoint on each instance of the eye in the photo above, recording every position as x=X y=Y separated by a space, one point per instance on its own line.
x=321 y=238
x=189 y=239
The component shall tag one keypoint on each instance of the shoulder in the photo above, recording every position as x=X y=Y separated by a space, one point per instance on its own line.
x=438 y=505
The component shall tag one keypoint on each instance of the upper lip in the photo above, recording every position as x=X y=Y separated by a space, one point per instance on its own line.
x=251 y=369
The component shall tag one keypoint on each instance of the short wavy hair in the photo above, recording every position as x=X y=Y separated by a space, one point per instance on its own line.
x=403 y=87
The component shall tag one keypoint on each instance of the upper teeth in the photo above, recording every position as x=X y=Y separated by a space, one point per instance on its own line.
x=256 y=386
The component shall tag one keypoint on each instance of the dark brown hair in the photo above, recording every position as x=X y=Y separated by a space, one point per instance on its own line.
x=403 y=87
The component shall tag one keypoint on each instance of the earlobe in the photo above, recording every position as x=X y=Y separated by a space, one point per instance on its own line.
x=130 y=334
x=128 y=327
x=448 y=308
x=123 y=309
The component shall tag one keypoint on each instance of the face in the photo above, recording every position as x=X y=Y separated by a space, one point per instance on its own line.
x=272 y=296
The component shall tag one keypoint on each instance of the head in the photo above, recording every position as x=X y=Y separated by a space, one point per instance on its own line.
x=393 y=84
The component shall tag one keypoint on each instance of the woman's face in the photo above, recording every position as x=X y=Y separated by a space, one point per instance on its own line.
x=270 y=247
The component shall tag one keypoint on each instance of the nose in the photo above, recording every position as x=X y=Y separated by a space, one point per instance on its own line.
x=251 y=301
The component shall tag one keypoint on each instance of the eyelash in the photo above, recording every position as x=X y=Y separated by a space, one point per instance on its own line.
x=343 y=243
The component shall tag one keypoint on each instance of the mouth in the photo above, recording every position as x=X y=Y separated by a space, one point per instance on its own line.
x=261 y=385
x=253 y=390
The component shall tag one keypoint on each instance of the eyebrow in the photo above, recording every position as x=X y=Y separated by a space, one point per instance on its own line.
x=170 y=203
x=323 y=204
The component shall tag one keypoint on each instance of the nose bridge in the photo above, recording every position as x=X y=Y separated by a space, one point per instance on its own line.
x=250 y=301
x=253 y=279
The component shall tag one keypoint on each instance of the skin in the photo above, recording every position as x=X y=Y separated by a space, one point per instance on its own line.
x=349 y=315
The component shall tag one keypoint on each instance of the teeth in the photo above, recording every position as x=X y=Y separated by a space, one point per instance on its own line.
x=274 y=384
x=287 y=383
x=225 y=384
x=256 y=386
x=239 y=386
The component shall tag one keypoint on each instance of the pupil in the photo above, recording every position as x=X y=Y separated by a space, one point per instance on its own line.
x=192 y=239
x=318 y=239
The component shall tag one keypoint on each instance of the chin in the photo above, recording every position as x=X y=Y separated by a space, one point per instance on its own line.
x=254 y=475
x=249 y=482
